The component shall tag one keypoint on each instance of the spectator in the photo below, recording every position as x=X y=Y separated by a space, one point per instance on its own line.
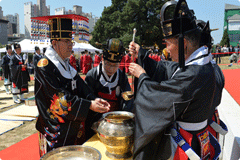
x=217 y=55
x=72 y=60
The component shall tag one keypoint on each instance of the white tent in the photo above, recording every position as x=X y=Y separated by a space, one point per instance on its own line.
x=29 y=47
x=79 y=47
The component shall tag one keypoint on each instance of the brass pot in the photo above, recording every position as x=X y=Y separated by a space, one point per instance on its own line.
x=76 y=152
x=116 y=130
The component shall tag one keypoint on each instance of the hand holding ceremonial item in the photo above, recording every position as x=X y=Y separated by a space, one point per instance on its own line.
x=128 y=95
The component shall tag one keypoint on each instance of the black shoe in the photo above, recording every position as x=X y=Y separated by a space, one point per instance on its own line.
x=22 y=100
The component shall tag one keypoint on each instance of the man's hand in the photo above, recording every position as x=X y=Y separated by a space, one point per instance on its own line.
x=100 y=105
x=136 y=70
x=133 y=49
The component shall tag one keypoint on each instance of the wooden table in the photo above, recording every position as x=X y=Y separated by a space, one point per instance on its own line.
x=97 y=144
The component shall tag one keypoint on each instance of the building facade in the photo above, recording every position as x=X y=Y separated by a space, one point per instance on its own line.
x=3 y=31
x=78 y=10
x=92 y=23
x=34 y=10
x=13 y=24
x=232 y=23
x=1 y=13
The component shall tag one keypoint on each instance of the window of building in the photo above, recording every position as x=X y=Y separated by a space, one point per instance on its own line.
x=234 y=26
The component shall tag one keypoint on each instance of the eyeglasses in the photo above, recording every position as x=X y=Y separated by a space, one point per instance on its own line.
x=69 y=42
x=116 y=65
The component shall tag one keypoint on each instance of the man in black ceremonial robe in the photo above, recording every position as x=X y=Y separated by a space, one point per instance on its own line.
x=62 y=97
x=6 y=71
x=36 y=57
x=108 y=81
x=19 y=75
x=178 y=95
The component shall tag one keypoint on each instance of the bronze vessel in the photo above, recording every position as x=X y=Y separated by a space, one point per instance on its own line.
x=75 y=152
x=115 y=131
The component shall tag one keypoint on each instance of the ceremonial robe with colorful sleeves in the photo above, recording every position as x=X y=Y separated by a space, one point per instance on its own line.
x=166 y=95
x=63 y=100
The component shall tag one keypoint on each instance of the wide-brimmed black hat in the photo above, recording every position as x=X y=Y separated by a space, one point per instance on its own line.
x=60 y=28
x=206 y=38
x=16 y=46
x=172 y=14
x=8 y=46
x=113 y=50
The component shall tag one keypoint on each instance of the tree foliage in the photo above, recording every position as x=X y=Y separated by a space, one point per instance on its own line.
x=225 y=39
x=119 y=20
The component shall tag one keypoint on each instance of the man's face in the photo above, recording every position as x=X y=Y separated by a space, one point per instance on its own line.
x=110 y=68
x=18 y=51
x=9 y=51
x=63 y=47
x=172 y=48
x=38 y=51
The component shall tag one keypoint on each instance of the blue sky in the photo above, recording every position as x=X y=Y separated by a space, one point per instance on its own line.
x=212 y=10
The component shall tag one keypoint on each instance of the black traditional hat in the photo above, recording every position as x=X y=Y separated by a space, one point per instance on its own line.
x=206 y=38
x=16 y=46
x=36 y=48
x=8 y=46
x=114 y=50
x=172 y=13
x=60 y=28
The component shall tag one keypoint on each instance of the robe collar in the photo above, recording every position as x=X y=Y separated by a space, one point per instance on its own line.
x=9 y=56
x=38 y=55
x=18 y=57
x=64 y=67
x=107 y=81
x=198 y=57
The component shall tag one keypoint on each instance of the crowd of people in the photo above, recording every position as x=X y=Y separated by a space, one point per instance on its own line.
x=220 y=51
x=176 y=92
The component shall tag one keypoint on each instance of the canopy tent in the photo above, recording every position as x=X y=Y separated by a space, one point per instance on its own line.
x=79 y=47
x=29 y=47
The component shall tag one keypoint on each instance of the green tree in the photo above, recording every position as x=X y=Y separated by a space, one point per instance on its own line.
x=119 y=19
x=225 y=39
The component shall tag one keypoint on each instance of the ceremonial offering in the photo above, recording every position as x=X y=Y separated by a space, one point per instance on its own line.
x=76 y=152
x=115 y=131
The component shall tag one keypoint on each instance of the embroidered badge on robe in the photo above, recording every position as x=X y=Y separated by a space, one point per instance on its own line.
x=42 y=62
x=59 y=107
